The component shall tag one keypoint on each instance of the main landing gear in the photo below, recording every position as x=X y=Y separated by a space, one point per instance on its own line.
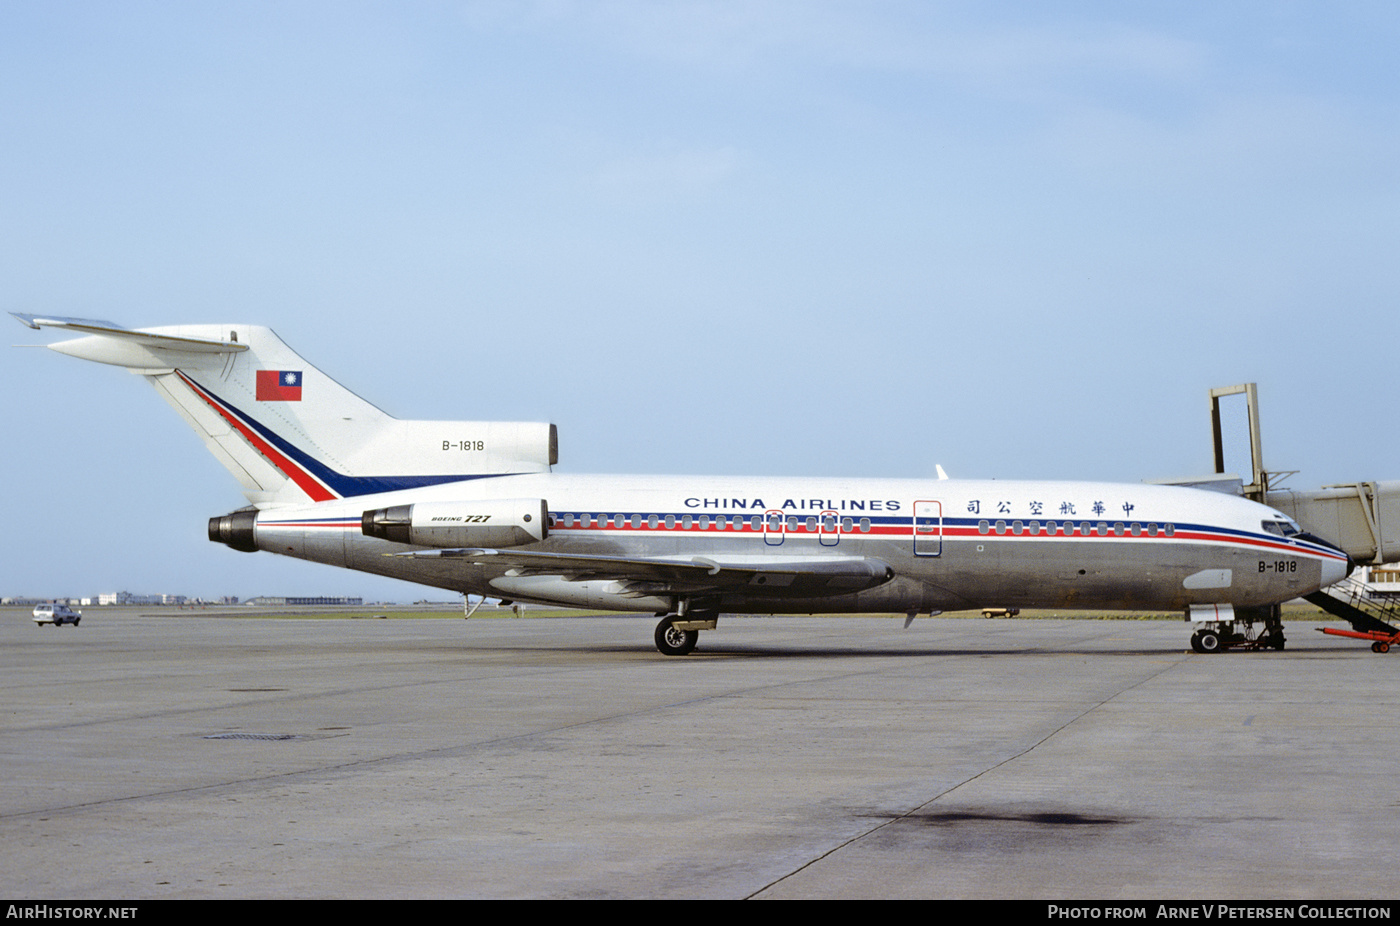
x=677 y=634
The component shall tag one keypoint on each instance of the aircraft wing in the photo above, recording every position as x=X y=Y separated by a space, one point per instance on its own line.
x=811 y=576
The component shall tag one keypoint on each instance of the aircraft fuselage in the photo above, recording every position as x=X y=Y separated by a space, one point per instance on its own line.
x=951 y=544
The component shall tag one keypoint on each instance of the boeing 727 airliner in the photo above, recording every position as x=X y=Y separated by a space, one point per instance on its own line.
x=475 y=507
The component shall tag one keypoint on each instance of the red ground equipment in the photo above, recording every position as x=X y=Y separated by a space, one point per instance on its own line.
x=1380 y=640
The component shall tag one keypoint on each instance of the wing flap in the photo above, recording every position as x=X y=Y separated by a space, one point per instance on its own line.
x=814 y=576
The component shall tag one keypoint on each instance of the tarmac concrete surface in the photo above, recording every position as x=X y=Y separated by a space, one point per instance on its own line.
x=786 y=758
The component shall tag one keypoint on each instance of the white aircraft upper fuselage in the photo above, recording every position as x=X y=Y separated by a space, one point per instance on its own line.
x=474 y=507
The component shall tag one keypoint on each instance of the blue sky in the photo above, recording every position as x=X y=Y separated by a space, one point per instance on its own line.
x=1021 y=240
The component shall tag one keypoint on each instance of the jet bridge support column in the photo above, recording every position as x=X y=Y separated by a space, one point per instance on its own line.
x=1258 y=486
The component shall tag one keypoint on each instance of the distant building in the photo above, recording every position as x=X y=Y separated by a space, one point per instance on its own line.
x=127 y=598
x=1380 y=581
x=113 y=598
x=272 y=600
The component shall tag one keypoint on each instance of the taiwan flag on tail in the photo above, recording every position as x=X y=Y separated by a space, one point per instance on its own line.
x=279 y=385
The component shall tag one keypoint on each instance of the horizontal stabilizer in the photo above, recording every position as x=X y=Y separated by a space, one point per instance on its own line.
x=143 y=338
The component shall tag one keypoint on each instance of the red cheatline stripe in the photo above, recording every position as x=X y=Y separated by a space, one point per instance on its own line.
x=304 y=480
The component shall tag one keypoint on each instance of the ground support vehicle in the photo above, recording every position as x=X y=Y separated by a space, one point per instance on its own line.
x=1381 y=642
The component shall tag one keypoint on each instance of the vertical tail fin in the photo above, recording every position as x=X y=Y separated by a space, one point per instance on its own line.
x=288 y=432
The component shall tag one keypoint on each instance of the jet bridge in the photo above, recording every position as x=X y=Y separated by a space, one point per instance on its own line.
x=1363 y=518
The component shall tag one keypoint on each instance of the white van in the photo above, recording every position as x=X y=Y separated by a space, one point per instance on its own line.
x=56 y=614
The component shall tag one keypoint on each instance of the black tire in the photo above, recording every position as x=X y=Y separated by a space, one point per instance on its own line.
x=75 y=621
x=1208 y=641
x=672 y=641
x=1382 y=647
x=1196 y=642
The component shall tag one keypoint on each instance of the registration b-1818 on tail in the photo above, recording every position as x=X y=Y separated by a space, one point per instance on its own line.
x=474 y=506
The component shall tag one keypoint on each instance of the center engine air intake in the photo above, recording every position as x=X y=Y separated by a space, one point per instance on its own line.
x=496 y=523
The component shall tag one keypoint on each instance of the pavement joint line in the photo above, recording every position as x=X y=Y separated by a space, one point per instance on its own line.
x=986 y=771
x=410 y=756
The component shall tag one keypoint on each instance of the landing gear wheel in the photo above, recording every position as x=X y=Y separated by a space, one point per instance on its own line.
x=1207 y=641
x=1196 y=642
x=672 y=641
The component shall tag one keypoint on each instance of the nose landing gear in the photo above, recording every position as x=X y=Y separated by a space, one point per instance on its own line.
x=1234 y=628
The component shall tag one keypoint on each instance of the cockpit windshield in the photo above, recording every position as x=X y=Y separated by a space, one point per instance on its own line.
x=1283 y=527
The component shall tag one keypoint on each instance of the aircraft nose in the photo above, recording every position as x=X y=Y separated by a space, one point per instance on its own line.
x=1333 y=569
